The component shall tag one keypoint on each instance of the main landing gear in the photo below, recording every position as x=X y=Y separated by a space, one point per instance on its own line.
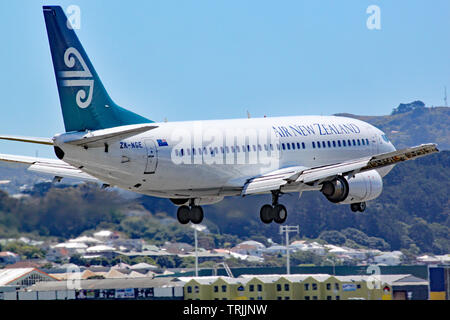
x=275 y=212
x=359 y=206
x=190 y=213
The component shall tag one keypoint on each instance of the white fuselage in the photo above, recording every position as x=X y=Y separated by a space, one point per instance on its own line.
x=214 y=158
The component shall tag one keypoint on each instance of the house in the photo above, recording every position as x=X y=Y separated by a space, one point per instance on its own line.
x=177 y=248
x=389 y=258
x=57 y=254
x=100 y=250
x=251 y=248
x=315 y=248
x=71 y=247
x=275 y=249
x=106 y=235
x=7 y=257
x=89 y=241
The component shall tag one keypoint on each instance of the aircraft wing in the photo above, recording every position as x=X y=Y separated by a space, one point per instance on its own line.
x=293 y=176
x=54 y=167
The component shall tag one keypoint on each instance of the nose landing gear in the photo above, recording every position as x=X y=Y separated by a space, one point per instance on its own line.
x=275 y=212
x=191 y=213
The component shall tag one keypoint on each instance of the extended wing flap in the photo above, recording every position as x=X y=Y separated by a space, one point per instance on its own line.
x=270 y=181
x=52 y=167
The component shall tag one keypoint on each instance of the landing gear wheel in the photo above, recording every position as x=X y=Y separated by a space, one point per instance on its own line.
x=196 y=214
x=359 y=206
x=362 y=207
x=183 y=214
x=279 y=213
x=266 y=213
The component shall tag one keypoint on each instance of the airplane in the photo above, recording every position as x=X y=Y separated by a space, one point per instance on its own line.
x=194 y=163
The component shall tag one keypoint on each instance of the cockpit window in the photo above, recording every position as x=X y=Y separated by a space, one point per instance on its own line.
x=385 y=138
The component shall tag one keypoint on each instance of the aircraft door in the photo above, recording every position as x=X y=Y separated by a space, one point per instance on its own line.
x=374 y=142
x=152 y=157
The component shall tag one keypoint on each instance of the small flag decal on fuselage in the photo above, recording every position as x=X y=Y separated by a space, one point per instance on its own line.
x=162 y=142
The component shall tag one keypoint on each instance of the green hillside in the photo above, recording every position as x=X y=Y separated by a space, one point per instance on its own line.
x=410 y=128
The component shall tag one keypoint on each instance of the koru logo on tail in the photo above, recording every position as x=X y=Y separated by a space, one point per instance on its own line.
x=81 y=78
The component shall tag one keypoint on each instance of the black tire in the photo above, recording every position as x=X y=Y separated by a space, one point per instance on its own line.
x=354 y=207
x=196 y=214
x=362 y=207
x=279 y=213
x=266 y=213
x=183 y=214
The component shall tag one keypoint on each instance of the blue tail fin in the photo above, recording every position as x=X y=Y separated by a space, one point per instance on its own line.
x=84 y=101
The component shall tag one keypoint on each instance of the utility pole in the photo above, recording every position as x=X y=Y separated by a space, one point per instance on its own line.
x=196 y=252
x=445 y=96
x=286 y=230
x=197 y=227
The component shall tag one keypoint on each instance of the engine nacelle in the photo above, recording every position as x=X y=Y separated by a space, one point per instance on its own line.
x=362 y=187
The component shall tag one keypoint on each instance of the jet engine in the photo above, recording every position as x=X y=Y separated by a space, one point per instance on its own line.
x=362 y=187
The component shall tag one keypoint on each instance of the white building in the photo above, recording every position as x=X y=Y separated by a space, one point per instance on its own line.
x=389 y=258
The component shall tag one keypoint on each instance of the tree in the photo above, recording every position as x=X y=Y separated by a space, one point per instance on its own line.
x=333 y=237
x=422 y=235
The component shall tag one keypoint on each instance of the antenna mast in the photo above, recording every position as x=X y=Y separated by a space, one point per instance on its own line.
x=445 y=96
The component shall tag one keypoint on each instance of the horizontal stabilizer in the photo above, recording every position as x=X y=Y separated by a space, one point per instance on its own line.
x=47 y=141
x=53 y=167
x=98 y=138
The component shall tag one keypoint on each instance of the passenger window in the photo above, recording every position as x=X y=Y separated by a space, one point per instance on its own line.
x=359 y=142
x=363 y=142
x=329 y=144
x=367 y=141
x=193 y=151
x=343 y=142
x=298 y=145
x=323 y=144
x=288 y=146
x=188 y=152
x=318 y=144
x=303 y=145
x=313 y=145
x=354 y=142
x=271 y=147
x=283 y=145
x=334 y=144
x=181 y=152
x=259 y=147
x=293 y=146
x=339 y=143
x=278 y=146
x=265 y=147
x=349 y=143
x=248 y=148
x=227 y=150
x=238 y=149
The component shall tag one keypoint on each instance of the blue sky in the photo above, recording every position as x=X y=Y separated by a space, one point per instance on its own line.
x=195 y=60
